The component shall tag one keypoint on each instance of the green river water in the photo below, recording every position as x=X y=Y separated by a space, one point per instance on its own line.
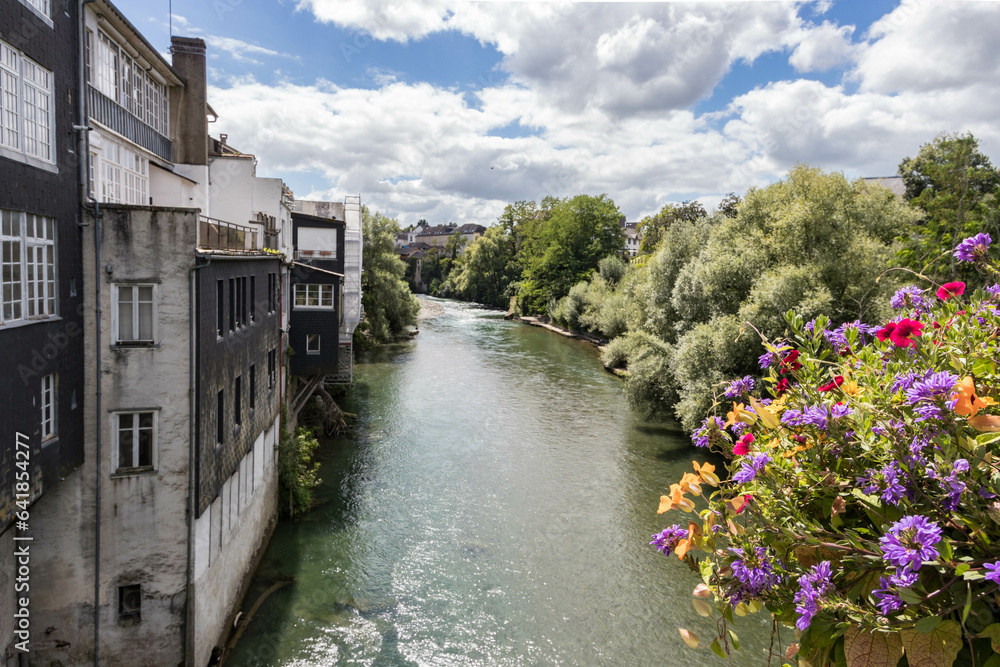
x=492 y=506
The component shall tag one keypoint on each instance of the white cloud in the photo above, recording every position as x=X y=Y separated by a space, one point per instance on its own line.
x=242 y=51
x=607 y=91
x=823 y=48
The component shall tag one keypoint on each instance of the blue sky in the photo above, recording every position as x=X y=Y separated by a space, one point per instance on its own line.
x=449 y=110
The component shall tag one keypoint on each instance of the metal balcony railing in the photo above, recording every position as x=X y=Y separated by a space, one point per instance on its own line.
x=221 y=235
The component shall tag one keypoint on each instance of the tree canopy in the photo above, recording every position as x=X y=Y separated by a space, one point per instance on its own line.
x=388 y=304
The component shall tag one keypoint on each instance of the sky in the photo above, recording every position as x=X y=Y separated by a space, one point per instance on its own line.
x=448 y=111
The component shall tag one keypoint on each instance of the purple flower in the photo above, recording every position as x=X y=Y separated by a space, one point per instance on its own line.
x=739 y=387
x=811 y=415
x=888 y=601
x=973 y=249
x=767 y=360
x=994 y=290
x=905 y=381
x=710 y=432
x=904 y=578
x=910 y=541
x=839 y=338
x=961 y=465
x=812 y=587
x=994 y=572
x=893 y=426
x=753 y=575
x=752 y=465
x=910 y=297
x=666 y=540
x=953 y=486
x=931 y=387
x=839 y=411
x=885 y=482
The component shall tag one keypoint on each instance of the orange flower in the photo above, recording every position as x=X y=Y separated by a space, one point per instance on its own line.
x=693 y=539
x=968 y=403
x=667 y=502
x=706 y=472
x=690 y=483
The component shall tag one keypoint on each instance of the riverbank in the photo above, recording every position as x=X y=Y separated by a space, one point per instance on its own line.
x=555 y=328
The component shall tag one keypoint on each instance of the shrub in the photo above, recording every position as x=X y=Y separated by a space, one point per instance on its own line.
x=863 y=504
x=298 y=474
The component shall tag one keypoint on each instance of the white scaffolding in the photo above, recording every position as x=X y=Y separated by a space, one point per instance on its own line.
x=352 y=290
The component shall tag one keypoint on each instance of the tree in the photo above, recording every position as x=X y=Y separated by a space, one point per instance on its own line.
x=572 y=237
x=956 y=187
x=454 y=244
x=730 y=205
x=487 y=270
x=653 y=228
x=388 y=304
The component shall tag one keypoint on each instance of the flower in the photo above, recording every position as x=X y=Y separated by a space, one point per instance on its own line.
x=766 y=360
x=710 y=432
x=753 y=575
x=973 y=249
x=949 y=290
x=833 y=384
x=781 y=387
x=910 y=541
x=742 y=446
x=910 y=297
x=751 y=467
x=994 y=572
x=933 y=386
x=886 y=331
x=900 y=335
x=994 y=290
x=811 y=415
x=888 y=600
x=967 y=404
x=739 y=387
x=812 y=587
x=791 y=362
x=667 y=540
x=885 y=482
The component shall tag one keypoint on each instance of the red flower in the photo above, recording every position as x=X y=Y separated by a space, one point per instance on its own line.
x=949 y=290
x=791 y=361
x=886 y=331
x=782 y=386
x=742 y=446
x=746 y=501
x=900 y=335
x=836 y=382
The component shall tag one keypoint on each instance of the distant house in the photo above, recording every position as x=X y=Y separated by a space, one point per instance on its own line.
x=439 y=234
x=632 y=237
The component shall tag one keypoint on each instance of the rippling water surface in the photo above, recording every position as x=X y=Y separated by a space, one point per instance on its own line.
x=492 y=507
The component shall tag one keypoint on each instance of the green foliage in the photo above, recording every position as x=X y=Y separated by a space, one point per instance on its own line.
x=388 y=304
x=298 y=473
x=612 y=269
x=654 y=228
x=866 y=435
x=486 y=271
x=958 y=190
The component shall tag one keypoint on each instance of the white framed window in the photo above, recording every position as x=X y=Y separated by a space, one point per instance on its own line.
x=27 y=118
x=123 y=172
x=313 y=296
x=116 y=75
x=135 y=440
x=312 y=343
x=42 y=7
x=48 y=406
x=133 y=314
x=27 y=266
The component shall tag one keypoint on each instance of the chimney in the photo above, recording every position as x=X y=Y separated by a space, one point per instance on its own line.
x=191 y=111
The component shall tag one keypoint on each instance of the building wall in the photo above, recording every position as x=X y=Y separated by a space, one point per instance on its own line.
x=144 y=535
x=230 y=537
x=231 y=188
x=221 y=360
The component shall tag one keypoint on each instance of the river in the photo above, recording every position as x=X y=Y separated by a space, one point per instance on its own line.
x=492 y=507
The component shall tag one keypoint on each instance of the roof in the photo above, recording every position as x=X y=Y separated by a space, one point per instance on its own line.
x=119 y=22
x=437 y=230
x=471 y=228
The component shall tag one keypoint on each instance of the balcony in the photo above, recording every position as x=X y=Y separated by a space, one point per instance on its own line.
x=230 y=237
x=108 y=112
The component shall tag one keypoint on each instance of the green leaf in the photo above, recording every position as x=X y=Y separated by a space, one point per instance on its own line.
x=961 y=569
x=927 y=624
x=734 y=640
x=909 y=597
x=938 y=648
x=994 y=661
x=701 y=607
x=992 y=632
x=973 y=576
x=871 y=649
x=717 y=648
x=968 y=604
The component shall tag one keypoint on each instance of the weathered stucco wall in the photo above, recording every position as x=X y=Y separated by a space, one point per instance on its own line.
x=143 y=524
x=229 y=537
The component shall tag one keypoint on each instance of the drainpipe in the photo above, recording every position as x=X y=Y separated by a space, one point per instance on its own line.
x=191 y=508
x=83 y=146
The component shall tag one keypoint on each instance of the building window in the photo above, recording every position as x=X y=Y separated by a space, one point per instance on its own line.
x=272 y=365
x=124 y=173
x=313 y=296
x=27 y=266
x=117 y=76
x=134 y=315
x=130 y=604
x=232 y=305
x=312 y=343
x=26 y=107
x=253 y=387
x=136 y=440
x=238 y=401
x=48 y=406
x=272 y=292
x=241 y=284
x=253 y=303
x=220 y=307
x=220 y=418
